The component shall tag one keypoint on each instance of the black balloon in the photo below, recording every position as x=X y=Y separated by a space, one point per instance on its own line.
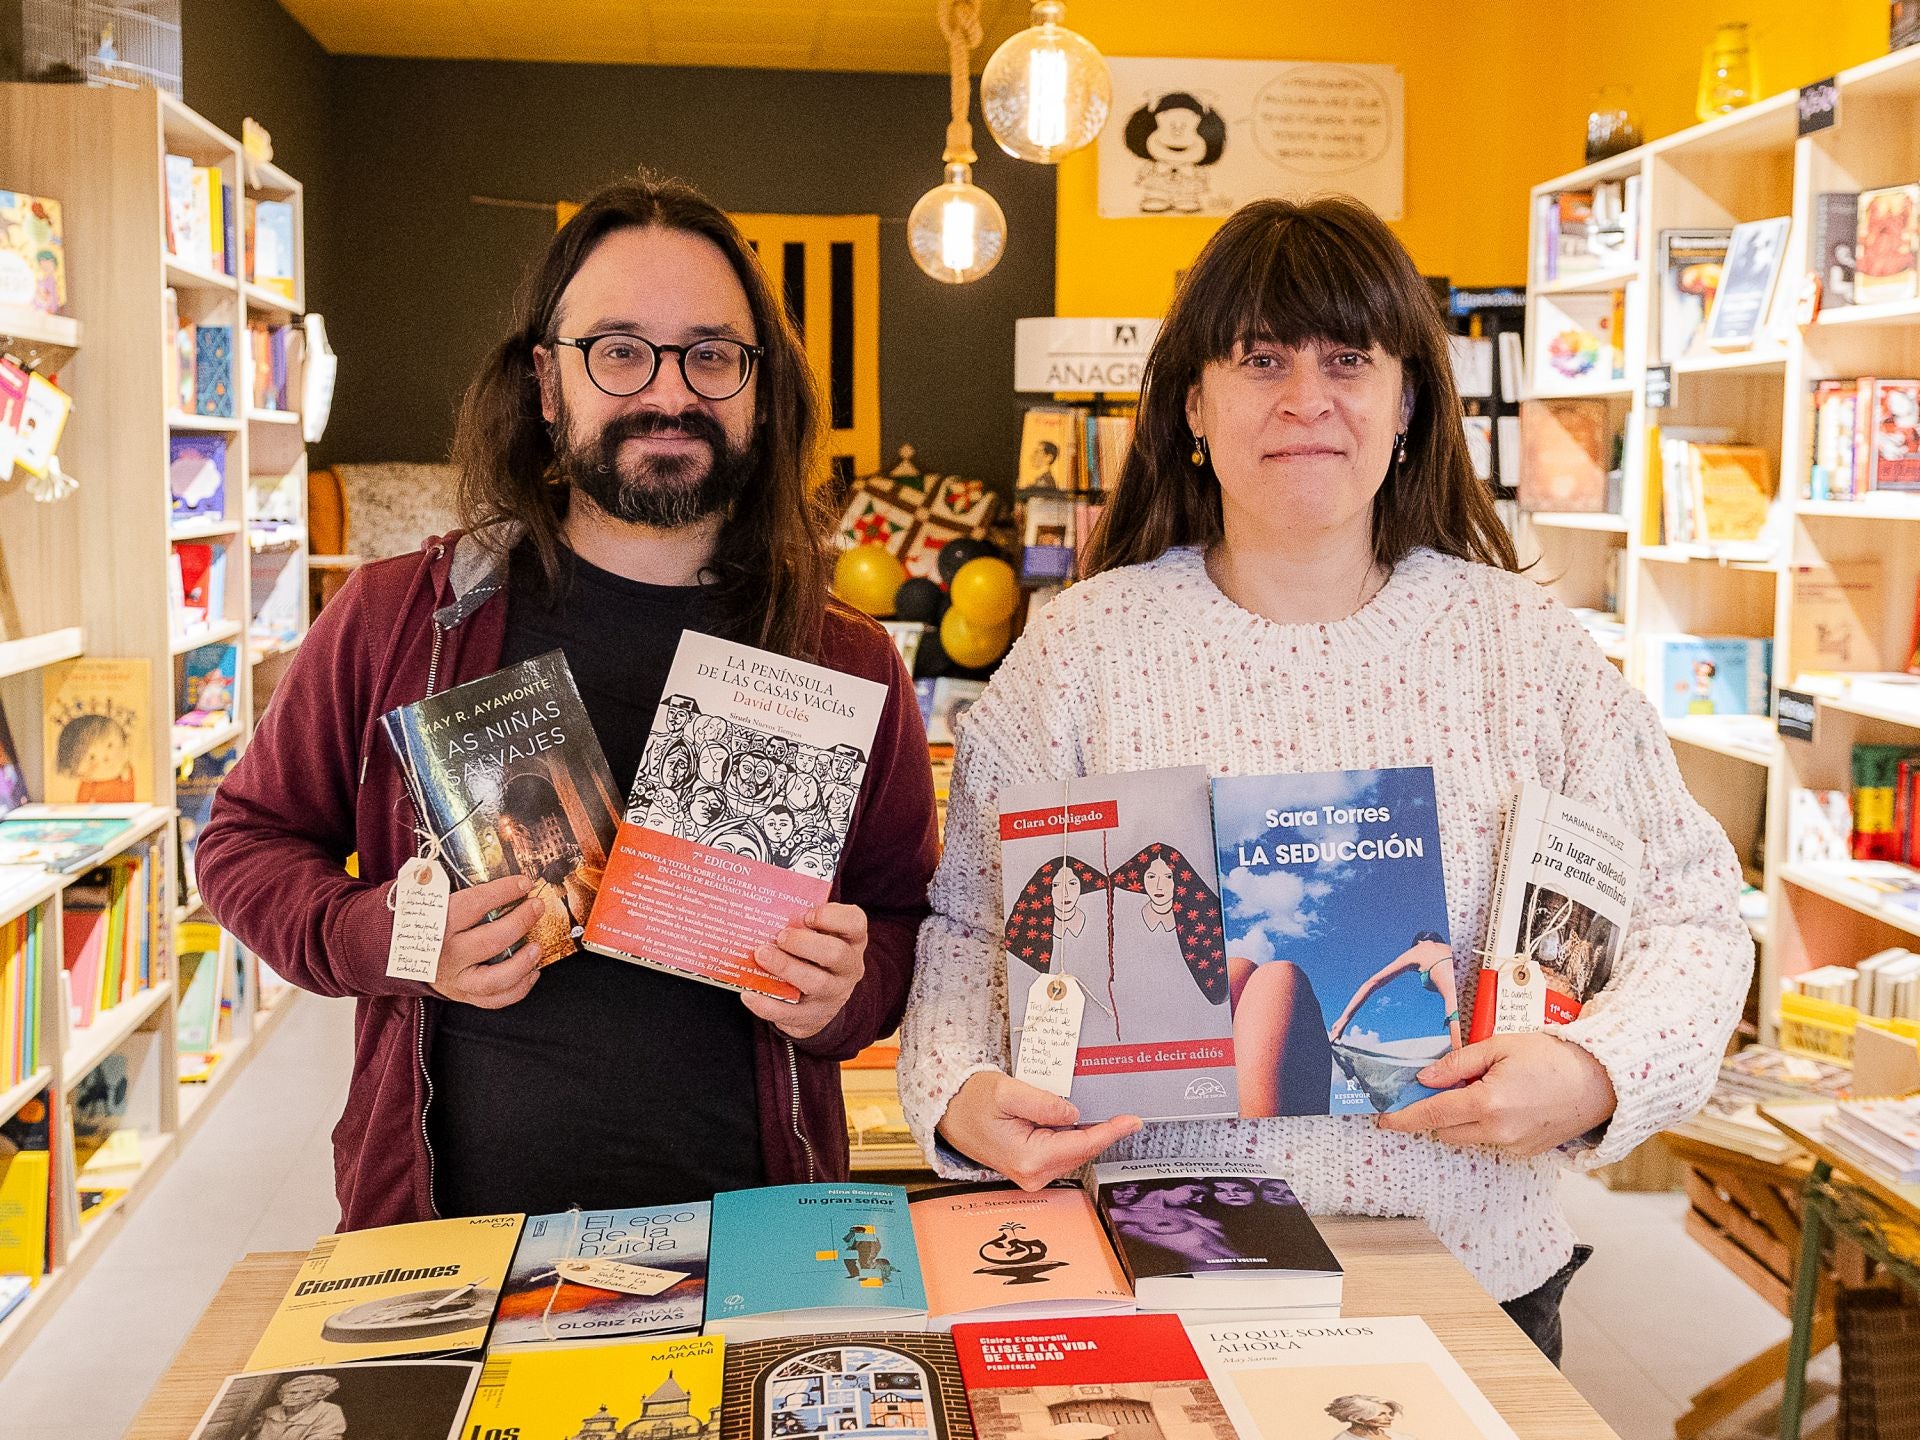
x=920 y=599
x=930 y=660
x=956 y=553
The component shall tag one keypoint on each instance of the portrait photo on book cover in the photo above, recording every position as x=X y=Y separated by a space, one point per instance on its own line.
x=769 y=798
x=367 y=1401
x=1190 y=1224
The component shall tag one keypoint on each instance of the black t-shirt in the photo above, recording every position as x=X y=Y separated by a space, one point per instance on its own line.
x=610 y=1084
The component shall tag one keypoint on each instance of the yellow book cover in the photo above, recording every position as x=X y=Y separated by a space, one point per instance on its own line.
x=1735 y=489
x=403 y=1290
x=659 y=1388
x=23 y=1213
x=98 y=732
x=1047 y=449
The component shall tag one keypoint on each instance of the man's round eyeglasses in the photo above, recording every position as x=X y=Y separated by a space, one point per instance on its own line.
x=621 y=365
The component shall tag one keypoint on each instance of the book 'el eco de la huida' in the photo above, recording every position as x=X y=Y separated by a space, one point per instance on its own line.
x=602 y=1274
x=739 y=812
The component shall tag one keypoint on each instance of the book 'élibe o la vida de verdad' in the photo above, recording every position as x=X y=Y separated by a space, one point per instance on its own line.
x=508 y=778
x=739 y=813
x=1562 y=894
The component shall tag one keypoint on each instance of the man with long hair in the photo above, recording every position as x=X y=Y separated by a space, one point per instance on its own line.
x=636 y=459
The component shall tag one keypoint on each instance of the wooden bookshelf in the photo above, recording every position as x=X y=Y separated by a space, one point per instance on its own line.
x=1751 y=165
x=91 y=575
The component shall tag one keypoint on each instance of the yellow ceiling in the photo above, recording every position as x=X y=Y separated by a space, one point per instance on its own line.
x=880 y=35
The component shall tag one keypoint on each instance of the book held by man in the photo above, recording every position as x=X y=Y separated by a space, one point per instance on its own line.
x=996 y=1252
x=1204 y=1236
x=742 y=805
x=508 y=778
x=606 y=1274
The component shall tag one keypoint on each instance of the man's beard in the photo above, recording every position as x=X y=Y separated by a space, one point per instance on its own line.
x=663 y=491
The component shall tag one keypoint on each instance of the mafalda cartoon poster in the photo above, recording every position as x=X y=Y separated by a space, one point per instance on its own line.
x=1115 y=953
x=1335 y=909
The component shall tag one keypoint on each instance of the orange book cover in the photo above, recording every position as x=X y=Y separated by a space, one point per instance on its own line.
x=1735 y=489
x=996 y=1252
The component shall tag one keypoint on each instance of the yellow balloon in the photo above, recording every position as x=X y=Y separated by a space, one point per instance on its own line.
x=986 y=591
x=867 y=577
x=972 y=645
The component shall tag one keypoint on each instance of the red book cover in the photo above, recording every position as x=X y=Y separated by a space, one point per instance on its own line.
x=84 y=937
x=1128 y=1375
x=742 y=804
x=1896 y=435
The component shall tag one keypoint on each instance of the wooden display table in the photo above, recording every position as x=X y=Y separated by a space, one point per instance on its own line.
x=1394 y=1267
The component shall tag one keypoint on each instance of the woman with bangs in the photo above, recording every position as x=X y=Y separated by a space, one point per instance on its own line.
x=1298 y=572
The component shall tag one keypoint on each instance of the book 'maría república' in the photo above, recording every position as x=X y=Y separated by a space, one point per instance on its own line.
x=508 y=775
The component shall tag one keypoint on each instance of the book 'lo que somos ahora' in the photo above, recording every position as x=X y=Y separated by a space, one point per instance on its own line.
x=991 y=1252
x=598 y=1274
x=508 y=777
x=739 y=812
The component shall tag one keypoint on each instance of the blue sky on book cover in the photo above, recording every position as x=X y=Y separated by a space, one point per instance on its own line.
x=1340 y=874
x=800 y=1247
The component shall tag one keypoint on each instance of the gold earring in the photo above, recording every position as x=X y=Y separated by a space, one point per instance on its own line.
x=1199 y=456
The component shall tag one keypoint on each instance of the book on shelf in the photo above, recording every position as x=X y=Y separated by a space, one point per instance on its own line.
x=1579 y=339
x=26 y=1137
x=203 y=584
x=658 y=1389
x=271 y=251
x=1048 y=542
x=33 y=267
x=43 y=419
x=1207 y=1235
x=194 y=788
x=820 y=1385
x=13 y=780
x=1094 y=1373
x=275 y=349
x=996 y=1252
x=1378 y=1377
x=1836 y=225
x=1692 y=675
x=1583 y=231
x=111 y=916
x=507 y=772
x=798 y=1259
x=213 y=371
x=1877 y=831
x=1819 y=824
x=1049 y=449
x=1836 y=616
x=197 y=475
x=14 y=383
x=1896 y=437
x=14 y=1290
x=23 y=955
x=1882 y=1135
x=606 y=1274
x=97 y=731
x=1111 y=896
x=63 y=838
x=402 y=1291
x=1689 y=268
x=209 y=681
x=1335 y=898
x=401 y=1399
x=739 y=811
x=1866 y=437
x=196 y=1030
x=1886 y=258
x=1743 y=301
x=1566 y=455
x=1887 y=985
x=1563 y=890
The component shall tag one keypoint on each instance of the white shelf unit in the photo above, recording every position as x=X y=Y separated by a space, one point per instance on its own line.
x=1751 y=165
x=91 y=576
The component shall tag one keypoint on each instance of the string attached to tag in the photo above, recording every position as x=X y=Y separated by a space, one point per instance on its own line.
x=1050 y=1039
x=1519 y=992
x=418 y=899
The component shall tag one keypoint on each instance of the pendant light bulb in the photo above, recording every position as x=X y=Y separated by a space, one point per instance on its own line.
x=1046 y=92
x=956 y=231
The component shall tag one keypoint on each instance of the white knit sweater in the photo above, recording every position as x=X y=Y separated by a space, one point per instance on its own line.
x=1463 y=667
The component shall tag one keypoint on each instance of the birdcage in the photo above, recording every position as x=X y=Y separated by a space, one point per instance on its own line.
x=126 y=44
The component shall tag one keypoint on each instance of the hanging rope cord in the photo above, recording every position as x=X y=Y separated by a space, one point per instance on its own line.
x=960 y=23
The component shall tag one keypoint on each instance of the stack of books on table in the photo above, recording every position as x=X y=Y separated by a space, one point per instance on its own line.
x=1882 y=1135
x=808 y=1310
x=1760 y=1075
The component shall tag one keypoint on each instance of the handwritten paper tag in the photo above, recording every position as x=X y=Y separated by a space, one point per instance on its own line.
x=620 y=1276
x=1520 y=1003
x=419 y=902
x=1050 y=1036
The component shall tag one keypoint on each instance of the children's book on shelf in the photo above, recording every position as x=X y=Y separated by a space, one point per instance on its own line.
x=1887 y=245
x=13 y=781
x=1709 y=674
x=14 y=384
x=1123 y=1374
x=798 y=1259
x=413 y=1291
x=111 y=918
x=203 y=584
x=606 y=1274
x=1896 y=436
x=43 y=419
x=1336 y=922
x=1579 y=340
x=213 y=371
x=63 y=838
x=739 y=812
x=1741 y=304
x=1732 y=492
x=197 y=989
x=97 y=731
x=1562 y=896
x=193 y=795
x=210 y=676
x=1819 y=823
x=197 y=475
x=1566 y=453
x=1376 y=1377
x=659 y=1389
x=25 y=1175
x=507 y=772
x=273 y=246
x=1836 y=224
x=896 y=1383
x=396 y=1399
x=1690 y=264
x=33 y=274
x=996 y=1252
x=1836 y=616
x=23 y=956
x=1117 y=983
x=1209 y=1235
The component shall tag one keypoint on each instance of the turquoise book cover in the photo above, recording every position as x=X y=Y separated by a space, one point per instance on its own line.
x=1338 y=953
x=835 y=1253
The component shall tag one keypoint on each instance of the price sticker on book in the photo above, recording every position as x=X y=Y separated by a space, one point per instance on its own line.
x=419 y=905
x=1520 y=998
x=618 y=1275
x=1050 y=1037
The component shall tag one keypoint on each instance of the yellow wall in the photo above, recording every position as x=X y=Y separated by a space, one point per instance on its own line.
x=1496 y=101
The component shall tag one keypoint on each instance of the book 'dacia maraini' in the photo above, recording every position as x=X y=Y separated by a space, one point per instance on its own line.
x=739 y=812
x=508 y=774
